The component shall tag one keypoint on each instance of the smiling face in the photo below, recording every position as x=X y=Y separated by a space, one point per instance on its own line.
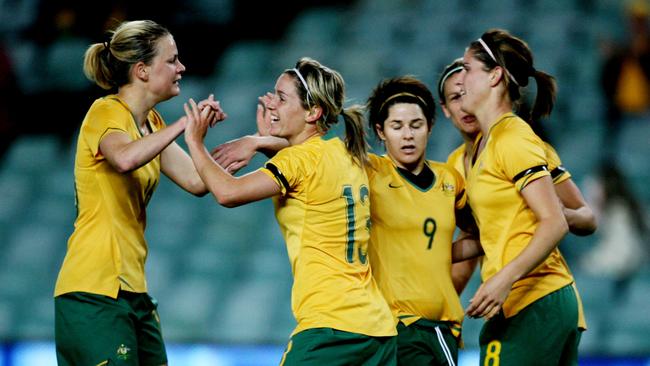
x=405 y=134
x=288 y=117
x=475 y=83
x=165 y=69
x=463 y=121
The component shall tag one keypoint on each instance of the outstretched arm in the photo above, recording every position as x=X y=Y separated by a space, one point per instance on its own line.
x=229 y=191
x=177 y=165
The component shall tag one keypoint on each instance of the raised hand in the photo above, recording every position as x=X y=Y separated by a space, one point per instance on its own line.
x=197 y=120
x=264 y=115
x=220 y=115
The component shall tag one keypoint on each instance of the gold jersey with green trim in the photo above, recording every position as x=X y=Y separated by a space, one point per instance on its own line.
x=324 y=215
x=513 y=157
x=411 y=238
x=107 y=249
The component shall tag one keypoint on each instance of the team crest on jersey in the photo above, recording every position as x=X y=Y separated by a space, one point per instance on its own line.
x=123 y=352
x=449 y=189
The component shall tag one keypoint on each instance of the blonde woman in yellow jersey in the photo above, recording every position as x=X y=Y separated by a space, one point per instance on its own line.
x=103 y=314
x=527 y=295
x=322 y=202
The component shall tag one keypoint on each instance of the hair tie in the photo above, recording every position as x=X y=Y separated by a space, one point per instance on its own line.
x=107 y=44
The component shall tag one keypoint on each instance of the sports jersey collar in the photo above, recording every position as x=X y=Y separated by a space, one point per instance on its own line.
x=479 y=137
x=126 y=106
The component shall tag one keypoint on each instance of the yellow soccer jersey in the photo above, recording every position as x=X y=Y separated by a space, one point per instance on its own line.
x=107 y=249
x=324 y=215
x=513 y=157
x=555 y=167
x=411 y=238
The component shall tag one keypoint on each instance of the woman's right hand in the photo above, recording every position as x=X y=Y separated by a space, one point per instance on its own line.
x=197 y=121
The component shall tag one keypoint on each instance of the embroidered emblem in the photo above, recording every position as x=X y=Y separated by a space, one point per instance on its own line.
x=448 y=189
x=123 y=352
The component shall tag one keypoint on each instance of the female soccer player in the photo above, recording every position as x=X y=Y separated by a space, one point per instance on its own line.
x=527 y=297
x=322 y=201
x=103 y=314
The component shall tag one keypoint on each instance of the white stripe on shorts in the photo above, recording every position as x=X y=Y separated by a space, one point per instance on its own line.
x=445 y=349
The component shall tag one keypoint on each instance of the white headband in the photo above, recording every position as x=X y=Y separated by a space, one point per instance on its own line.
x=304 y=83
x=487 y=49
x=446 y=76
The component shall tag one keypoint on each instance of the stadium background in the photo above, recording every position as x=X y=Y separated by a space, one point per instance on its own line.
x=221 y=275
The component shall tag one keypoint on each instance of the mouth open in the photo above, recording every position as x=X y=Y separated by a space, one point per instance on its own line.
x=408 y=149
x=468 y=119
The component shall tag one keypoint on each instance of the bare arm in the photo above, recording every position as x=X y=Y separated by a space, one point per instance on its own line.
x=236 y=154
x=466 y=246
x=125 y=154
x=540 y=196
x=579 y=216
x=465 y=251
x=229 y=191
x=461 y=273
x=177 y=165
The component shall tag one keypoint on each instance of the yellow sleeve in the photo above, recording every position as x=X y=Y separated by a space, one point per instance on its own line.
x=290 y=166
x=461 y=195
x=521 y=154
x=555 y=167
x=105 y=115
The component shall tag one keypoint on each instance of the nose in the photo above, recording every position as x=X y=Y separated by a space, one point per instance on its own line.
x=408 y=133
x=180 y=68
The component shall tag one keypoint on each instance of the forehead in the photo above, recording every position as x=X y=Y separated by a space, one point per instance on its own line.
x=412 y=110
x=454 y=79
x=166 y=44
x=469 y=57
x=285 y=84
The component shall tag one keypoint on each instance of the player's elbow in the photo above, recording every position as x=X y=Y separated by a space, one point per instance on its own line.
x=588 y=227
x=124 y=165
x=227 y=199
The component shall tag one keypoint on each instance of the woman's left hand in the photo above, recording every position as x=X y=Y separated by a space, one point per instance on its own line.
x=490 y=296
x=220 y=115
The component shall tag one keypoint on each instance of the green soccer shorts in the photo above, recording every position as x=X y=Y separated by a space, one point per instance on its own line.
x=99 y=330
x=331 y=347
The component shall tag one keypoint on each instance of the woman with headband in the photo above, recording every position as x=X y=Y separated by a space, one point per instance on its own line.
x=579 y=215
x=321 y=196
x=415 y=206
x=527 y=295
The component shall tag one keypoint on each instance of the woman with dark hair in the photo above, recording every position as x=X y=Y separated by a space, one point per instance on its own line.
x=527 y=295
